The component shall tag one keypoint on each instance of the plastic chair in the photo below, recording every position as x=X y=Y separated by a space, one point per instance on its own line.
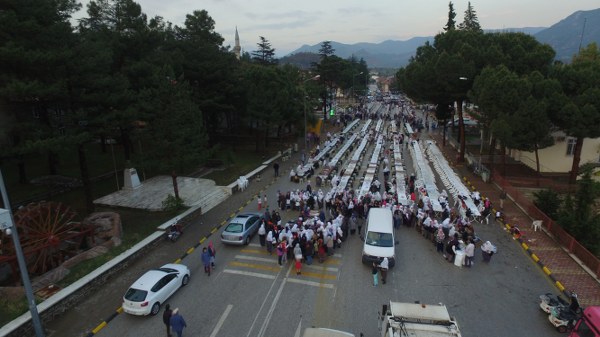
x=537 y=224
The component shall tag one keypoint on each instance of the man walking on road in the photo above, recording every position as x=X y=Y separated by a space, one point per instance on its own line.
x=276 y=168
x=167 y=318
x=177 y=322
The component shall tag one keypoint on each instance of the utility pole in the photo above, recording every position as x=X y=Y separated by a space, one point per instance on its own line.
x=9 y=229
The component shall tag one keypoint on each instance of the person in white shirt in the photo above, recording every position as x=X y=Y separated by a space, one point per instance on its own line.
x=270 y=240
x=383 y=267
x=469 y=253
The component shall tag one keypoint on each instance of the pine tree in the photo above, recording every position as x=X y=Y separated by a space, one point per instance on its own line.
x=451 y=24
x=470 y=22
x=265 y=54
x=326 y=49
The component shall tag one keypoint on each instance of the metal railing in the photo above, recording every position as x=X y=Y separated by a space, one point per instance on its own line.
x=562 y=237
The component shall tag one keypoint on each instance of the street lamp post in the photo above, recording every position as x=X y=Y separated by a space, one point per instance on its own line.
x=9 y=229
x=314 y=78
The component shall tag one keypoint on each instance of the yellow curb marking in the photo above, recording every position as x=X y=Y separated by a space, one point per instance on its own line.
x=178 y=261
x=546 y=270
x=535 y=258
x=99 y=327
x=560 y=286
x=525 y=246
x=202 y=240
x=189 y=251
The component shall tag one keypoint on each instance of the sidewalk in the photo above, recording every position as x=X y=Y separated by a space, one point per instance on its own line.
x=564 y=271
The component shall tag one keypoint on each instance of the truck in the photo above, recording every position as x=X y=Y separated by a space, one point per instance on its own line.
x=417 y=320
x=588 y=325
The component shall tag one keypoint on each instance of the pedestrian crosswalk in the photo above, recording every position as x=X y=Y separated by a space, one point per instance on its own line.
x=255 y=261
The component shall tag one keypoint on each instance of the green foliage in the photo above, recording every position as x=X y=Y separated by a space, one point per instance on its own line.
x=470 y=21
x=451 y=24
x=548 y=201
x=265 y=55
x=578 y=215
x=171 y=203
x=579 y=115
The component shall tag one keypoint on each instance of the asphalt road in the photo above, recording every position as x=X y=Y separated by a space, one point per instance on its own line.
x=250 y=295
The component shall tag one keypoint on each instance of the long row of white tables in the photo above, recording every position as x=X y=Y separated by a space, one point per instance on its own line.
x=425 y=182
x=449 y=178
x=372 y=168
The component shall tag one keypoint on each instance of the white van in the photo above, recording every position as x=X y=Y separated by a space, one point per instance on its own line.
x=379 y=237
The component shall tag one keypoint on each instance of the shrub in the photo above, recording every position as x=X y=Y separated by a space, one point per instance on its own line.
x=548 y=201
x=171 y=203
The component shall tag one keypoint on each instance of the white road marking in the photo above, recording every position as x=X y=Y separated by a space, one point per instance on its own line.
x=263 y=328
x=221 y=321
x=253 y=258
x=320 y=268
x=311 y=283
x=254 y=245
x=297 y=334
x=248 y=273
x=262 y=305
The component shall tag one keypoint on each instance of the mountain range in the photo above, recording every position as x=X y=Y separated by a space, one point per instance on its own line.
x=565 y=37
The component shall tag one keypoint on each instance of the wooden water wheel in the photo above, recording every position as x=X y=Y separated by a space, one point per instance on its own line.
x=48 y=236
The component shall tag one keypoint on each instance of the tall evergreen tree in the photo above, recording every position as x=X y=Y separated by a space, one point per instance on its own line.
x=470 y=21
x=326 y=49
x=451 y=24
x=265 y=54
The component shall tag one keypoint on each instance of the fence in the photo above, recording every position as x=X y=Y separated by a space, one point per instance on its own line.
x=563 y=238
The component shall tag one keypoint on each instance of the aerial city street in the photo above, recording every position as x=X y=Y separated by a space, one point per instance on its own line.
x=161 y=175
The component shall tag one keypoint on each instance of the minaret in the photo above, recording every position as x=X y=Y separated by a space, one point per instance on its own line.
x=237 y=49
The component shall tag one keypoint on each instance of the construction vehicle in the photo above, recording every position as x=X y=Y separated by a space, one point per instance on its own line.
x=417 y=320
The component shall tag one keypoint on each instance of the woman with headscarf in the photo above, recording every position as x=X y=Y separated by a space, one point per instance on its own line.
x=298 y=257
x=439 y=240
x=262 y=233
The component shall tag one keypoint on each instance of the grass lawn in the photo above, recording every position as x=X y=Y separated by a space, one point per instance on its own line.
x=241 y=163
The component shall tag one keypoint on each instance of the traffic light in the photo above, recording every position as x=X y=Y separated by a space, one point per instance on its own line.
x=332 y=112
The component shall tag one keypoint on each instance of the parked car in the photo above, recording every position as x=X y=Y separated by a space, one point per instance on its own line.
x=149 y=292
x=241 y=229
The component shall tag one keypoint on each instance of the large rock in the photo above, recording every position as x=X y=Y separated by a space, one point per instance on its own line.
x=107 y=227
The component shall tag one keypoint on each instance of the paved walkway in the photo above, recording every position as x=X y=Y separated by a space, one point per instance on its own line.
x=563 y=268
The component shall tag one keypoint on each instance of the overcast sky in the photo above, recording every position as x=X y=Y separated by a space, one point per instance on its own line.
x=290 y=24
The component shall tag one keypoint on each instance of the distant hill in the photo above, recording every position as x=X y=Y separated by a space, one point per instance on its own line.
x=565 y=36
x=387 y=54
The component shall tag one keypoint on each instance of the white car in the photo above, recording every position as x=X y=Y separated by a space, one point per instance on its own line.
x=149 y=292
